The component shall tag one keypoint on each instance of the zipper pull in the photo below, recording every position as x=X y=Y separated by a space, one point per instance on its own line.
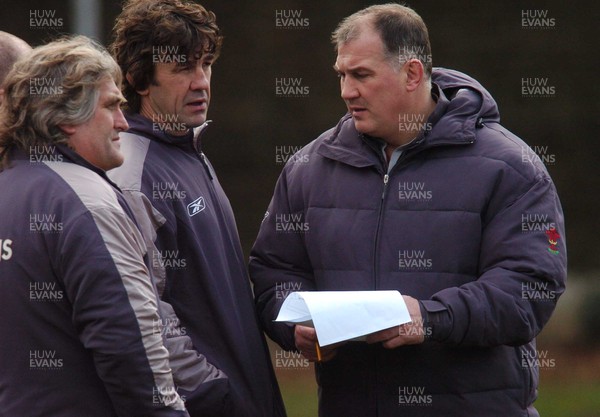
x=207 y=166
x=386 y=178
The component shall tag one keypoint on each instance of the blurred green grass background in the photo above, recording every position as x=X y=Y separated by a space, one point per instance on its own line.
x=559 y=395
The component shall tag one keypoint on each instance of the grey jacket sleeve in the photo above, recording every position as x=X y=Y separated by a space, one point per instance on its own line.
x=190 y=368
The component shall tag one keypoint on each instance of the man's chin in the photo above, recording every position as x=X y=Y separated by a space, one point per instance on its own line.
x=362 y=127
x=115 y=162
x=195 y=120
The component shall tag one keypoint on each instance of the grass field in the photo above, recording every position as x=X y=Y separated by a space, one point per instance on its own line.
x=571 y=390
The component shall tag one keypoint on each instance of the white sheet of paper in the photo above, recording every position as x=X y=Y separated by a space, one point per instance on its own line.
x=345 y=315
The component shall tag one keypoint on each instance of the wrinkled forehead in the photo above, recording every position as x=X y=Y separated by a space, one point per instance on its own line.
x=365 y=49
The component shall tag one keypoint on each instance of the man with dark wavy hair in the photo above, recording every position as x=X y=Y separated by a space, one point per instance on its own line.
x=166 y=49
x=79 y=311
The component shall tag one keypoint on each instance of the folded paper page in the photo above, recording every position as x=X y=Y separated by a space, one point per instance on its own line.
x=345 y=315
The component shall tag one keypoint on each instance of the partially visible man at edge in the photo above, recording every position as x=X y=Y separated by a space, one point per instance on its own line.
x=78 y=307
x=166 y=49
x=11 y=49
x=417 y=189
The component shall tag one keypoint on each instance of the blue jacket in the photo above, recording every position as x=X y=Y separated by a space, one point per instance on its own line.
x=468 y=222
x=183 y=211
x=78 y=311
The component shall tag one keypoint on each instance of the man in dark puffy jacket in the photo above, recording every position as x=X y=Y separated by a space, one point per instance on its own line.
x=417 y=189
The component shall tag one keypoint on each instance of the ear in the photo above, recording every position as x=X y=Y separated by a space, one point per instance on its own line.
x=130 y=81
x=68 y=129
x=414 y=74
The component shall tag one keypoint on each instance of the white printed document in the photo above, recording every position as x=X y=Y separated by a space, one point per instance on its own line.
x=344 y=315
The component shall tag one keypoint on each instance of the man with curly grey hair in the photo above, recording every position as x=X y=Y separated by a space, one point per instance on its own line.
x=71 y=257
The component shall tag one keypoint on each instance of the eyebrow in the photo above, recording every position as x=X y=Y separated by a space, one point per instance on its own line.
x=352 y=69
x=115 y=99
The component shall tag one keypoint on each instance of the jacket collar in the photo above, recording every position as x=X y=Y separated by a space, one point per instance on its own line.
x=463 y=105
x=59 y=152
x=140 y=125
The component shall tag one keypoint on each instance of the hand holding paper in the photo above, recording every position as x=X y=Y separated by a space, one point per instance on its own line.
x=411 y=333
x=307 y=342
x=344 y=315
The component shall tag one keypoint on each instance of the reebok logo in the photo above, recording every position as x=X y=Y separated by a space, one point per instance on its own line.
x=196 y=206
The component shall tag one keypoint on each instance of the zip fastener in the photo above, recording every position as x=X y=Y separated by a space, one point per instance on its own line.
x=205 y=164
x=386 y=178
x=197 y=148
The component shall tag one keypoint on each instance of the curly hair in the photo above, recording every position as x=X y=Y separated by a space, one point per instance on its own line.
x=147 y=25
x=54 y=84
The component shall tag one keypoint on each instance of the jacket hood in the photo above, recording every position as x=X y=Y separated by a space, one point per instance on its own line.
x=469 y=104
x=464 y=105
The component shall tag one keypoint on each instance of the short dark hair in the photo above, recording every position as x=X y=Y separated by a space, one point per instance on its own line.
x=144 y=25
x=402 y=31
